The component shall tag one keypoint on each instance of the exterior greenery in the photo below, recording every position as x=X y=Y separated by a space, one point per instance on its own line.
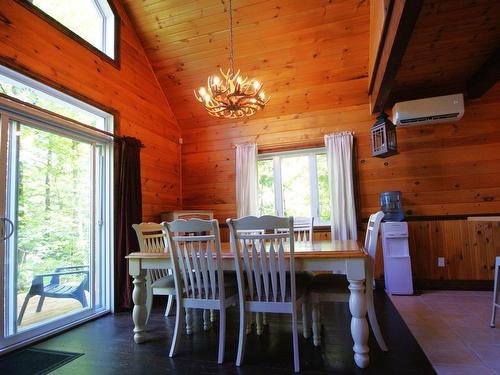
x=295 y=172
x=54 y=194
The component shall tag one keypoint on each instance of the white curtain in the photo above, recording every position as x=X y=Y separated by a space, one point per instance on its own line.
x=340 y=176
x=246 y=179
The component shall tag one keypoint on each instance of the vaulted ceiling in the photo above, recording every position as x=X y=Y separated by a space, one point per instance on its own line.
x=311 y=55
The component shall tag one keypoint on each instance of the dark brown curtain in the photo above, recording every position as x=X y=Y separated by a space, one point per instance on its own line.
x=128 y=211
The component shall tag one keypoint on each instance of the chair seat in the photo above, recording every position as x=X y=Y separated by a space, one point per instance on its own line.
x=164 y=282
x=329 y=283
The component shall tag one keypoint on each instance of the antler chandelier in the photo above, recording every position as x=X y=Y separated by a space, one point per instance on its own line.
x=232 y=96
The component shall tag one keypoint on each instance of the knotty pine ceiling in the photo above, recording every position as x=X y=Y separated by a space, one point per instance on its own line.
x=311 y=55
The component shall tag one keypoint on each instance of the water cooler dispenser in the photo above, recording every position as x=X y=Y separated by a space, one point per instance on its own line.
x=397 y=262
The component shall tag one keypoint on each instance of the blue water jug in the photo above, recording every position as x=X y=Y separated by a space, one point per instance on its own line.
x=390 y=204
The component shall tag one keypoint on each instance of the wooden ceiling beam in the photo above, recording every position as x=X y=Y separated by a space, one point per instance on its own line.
x=399 y=25
x=485 y=78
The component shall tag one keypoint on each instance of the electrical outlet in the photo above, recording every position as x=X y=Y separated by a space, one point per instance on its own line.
x=441 y=262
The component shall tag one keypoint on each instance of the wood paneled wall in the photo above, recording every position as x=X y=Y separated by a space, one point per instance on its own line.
x=442 y=169
x=30 y=44
x=469 y=249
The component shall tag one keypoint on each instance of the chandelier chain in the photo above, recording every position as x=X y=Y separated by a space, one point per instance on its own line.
x=231 y=52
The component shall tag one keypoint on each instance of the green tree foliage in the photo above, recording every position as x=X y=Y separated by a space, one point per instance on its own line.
x=54 y=193
x=296 y=189
x=54 y=203
x=323 y=188
x=266 y=187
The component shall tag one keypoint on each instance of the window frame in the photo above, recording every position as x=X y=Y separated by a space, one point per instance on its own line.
x=313 y=179
x=103 y=189
x=115 y=60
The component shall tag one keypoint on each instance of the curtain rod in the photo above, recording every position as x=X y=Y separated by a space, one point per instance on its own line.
x=271 y=147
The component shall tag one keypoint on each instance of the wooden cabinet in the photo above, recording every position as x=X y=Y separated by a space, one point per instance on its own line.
x=187 y=214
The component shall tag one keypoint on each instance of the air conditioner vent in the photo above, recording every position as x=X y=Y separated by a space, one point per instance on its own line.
x=427 y=111
x=430 y=118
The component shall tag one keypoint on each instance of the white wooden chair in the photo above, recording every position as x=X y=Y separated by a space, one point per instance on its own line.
x=264 y=285
x=334 y=288
x=260 y=318
x=303 y=229
x=496 y=300
x=158 y=282
x=198 y=275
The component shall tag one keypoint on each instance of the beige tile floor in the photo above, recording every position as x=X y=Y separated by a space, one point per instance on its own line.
x=452 y=327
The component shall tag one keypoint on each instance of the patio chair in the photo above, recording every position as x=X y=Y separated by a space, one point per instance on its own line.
x=56 y=288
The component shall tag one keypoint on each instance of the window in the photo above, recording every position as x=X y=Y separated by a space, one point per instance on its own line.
x=93 y=20
x=295 y=184
x=56 y=188
x=29 y=91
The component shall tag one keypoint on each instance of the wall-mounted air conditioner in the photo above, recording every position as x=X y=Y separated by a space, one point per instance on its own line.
x=428 y=111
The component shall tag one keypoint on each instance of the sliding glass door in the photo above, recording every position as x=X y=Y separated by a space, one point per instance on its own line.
x=52 y=201
x=55 y=204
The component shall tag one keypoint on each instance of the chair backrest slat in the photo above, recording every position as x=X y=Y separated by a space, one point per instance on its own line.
x=211 y=269
x=246 y=261
x=196 y=266
x=258 y=245
x=265 y=268
x=256 y=270
x=182 y=266
x=282 y=269
x=188 y=270
x=272 y=271
x=372 y=230
x=202 y=257
x=196 y=258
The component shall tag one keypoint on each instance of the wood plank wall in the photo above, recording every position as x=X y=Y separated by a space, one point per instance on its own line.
x=469 y=249
x=443 y=169
x=30 y=44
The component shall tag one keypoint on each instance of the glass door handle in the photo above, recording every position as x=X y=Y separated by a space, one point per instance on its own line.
x=4 y=233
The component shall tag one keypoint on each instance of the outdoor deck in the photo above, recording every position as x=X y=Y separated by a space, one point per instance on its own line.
x=52 y=307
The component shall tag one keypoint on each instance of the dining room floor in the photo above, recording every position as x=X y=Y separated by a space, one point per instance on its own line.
x=108 y=346
x=453 y=329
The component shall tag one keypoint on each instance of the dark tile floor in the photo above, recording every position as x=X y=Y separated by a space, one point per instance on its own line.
x=109 y=349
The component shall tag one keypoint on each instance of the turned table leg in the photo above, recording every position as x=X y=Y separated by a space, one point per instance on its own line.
x=140 y=312
x=359 y=325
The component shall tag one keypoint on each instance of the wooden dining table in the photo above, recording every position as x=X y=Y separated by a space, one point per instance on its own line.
x=343 y=257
